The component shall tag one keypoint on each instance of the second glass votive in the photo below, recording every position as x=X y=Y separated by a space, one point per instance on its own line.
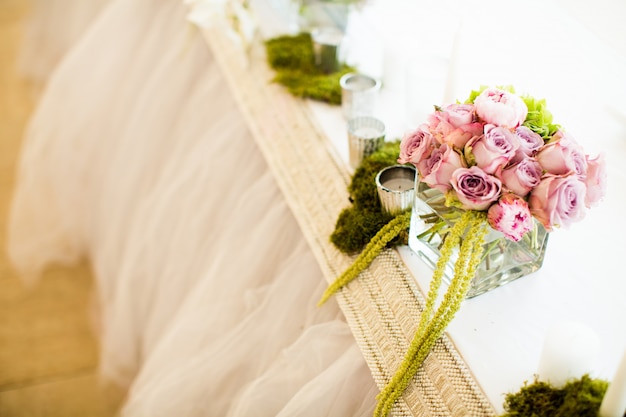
x=359 y=93
x=396 y=188
x=366 y=135
x=326 y=43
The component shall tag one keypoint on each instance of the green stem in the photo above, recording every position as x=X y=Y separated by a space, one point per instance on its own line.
x=385 y=235
x=432 y=230
x=487 y=251
x=453 y=238
x=423 y=341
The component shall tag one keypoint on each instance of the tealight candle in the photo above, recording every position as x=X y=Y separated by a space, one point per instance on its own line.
x=398 y=184
x=396 y=188
x=614 y=401
x=570 y=350
x=326 y=42
x=366 y=135
x=358 y=94
x=367 y=132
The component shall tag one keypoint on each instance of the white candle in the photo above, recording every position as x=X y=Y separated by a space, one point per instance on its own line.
x=367 y=132
x=570 y=350
x=614 y=402
x=395 y=186
x=399 y=184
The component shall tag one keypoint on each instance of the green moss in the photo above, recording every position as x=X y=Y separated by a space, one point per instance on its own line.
x=580 y=398
x=293 y=60
x=357 y=225
x=291 y=53
x=362 y=188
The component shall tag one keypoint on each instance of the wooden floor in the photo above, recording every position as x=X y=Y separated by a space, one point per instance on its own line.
x=48 y=353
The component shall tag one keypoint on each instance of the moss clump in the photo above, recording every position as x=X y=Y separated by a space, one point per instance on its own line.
x=358 y=224
x=291 y=53
x=293 y=60
x=578 y=398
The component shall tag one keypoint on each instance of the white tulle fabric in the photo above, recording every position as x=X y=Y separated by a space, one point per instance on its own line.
x=138 y=158
x=51 y=29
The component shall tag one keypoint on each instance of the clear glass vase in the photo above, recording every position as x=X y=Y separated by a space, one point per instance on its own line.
x=324 y=14
x=503 y=260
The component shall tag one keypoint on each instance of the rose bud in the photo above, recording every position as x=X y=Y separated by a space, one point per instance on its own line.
x=511 y=216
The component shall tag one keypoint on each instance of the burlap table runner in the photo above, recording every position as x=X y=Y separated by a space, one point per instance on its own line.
x=382 y=306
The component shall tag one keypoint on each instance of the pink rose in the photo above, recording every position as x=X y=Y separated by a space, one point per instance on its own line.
x=475 y=189
x=595 y=180
x=492 y=150
x=511 y=216
x=459 y=114
x=562 y=156
x=437 y=170
x=416 y=146
x=558 y=201
x=456 y=115
x=521 y=177
x=529 y=143
x=501 y=108
x=455 y=125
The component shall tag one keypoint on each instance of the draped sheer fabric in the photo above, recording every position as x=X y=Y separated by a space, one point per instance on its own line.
x=137 y=158
x=51 y=29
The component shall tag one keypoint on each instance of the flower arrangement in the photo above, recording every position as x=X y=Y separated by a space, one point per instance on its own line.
x=500 y=154
x=499 y=165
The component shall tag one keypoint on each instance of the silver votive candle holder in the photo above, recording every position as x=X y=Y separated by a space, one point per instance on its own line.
x=359 y=93
x=396 y=188
x=366 y=134
x=326 y=43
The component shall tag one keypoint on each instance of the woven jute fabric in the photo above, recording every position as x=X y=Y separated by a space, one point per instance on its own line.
x=382 y=306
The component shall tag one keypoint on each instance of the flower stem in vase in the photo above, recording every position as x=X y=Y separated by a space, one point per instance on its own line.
x=437 y=228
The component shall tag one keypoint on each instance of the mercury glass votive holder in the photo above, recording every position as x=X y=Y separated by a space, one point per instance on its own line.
x=359 y=93
x=396 y=188
x=366 y=134
x=326 y=43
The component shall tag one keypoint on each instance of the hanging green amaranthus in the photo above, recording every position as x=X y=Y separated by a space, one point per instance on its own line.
x=468 y=234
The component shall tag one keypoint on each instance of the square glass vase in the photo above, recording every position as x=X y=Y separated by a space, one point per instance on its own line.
x=503 y=260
